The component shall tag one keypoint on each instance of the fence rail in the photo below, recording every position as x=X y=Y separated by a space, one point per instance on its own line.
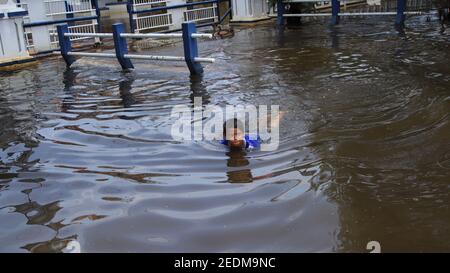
x=146 y=15
x=325 y=14
x=372 y=10
x=89 y=54
x=189 y=36
x=201 y=14
x=62 y=7
x=78 y=32
x=141 y=3
x=153 y=21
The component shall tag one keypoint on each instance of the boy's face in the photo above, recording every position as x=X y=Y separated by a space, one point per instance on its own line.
x=235 y=138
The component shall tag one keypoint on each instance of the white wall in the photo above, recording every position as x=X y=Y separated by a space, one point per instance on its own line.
x=12 y=39
x=36 y=13
x=12 y=44
x=177 y=14
x=249 y=10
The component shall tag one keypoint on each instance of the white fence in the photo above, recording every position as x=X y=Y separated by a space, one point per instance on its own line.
x=153 y=22
x=137 y=4
x=201 y=14
x=61 y=7
x=85 y=28
x=82 y=28
x=171 y=18
x=40 y=24
x=385 y=5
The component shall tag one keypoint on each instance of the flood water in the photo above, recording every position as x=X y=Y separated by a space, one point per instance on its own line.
x=86 y=153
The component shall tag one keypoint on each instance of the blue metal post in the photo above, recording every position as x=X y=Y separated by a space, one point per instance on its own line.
x=121 y=46
x=335 y=9
x=97 y=12
x=130 y=16
x=280 y=12
x=218 y=10
x=191 y=48
x=400 y=19
x=64 y=44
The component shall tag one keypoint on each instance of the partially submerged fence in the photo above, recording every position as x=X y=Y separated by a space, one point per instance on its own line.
x=147 y=15
x=189 y=35
x=336 y=13
x=84 y=16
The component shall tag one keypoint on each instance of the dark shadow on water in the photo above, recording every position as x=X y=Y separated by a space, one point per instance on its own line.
x=198 y=89
x=334 y=37
x=400 y=30
x=280 y=36
x=238 y=167
x=69 y=76
x=125 y=87
x=43 y=215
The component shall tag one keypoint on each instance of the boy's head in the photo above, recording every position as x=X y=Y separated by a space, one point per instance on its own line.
x=233 y=133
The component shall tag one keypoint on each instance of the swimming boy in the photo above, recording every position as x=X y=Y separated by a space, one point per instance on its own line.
x=235 y=138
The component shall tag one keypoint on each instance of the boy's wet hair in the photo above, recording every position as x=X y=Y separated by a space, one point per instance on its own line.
x=232 y=123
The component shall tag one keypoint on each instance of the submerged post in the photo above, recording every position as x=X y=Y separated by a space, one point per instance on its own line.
x=98 y=14
x=130 y=10
x=280 y=13
x=64 y=44
x=191 y=48
x=335 y=9
x=400 y=19
x=121 y=46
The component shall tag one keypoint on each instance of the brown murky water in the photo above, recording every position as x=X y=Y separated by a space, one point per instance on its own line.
x=86 y=153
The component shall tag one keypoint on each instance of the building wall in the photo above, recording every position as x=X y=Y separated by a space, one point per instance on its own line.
x=12 y=41
x=249 y=10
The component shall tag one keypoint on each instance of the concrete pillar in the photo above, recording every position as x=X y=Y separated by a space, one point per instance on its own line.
x=177 y=14
x=249 y=10
x=13 y=49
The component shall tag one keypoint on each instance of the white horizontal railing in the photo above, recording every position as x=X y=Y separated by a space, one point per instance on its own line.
x=140 y=57
x=320 y=2
x=81 y=32
x=140 y=3
x=351 y=14
x=88 y=35
x=168 y=58
x=323 y=4
x=138 y=36
x=121 y=47
x=60 y=7
x=201 y=14
x=410 y=4
x=153 y=21
x=164 y=35
x=89 y=54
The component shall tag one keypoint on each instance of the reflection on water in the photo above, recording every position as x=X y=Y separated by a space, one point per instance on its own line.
x=86 y=153
x=239 y=171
